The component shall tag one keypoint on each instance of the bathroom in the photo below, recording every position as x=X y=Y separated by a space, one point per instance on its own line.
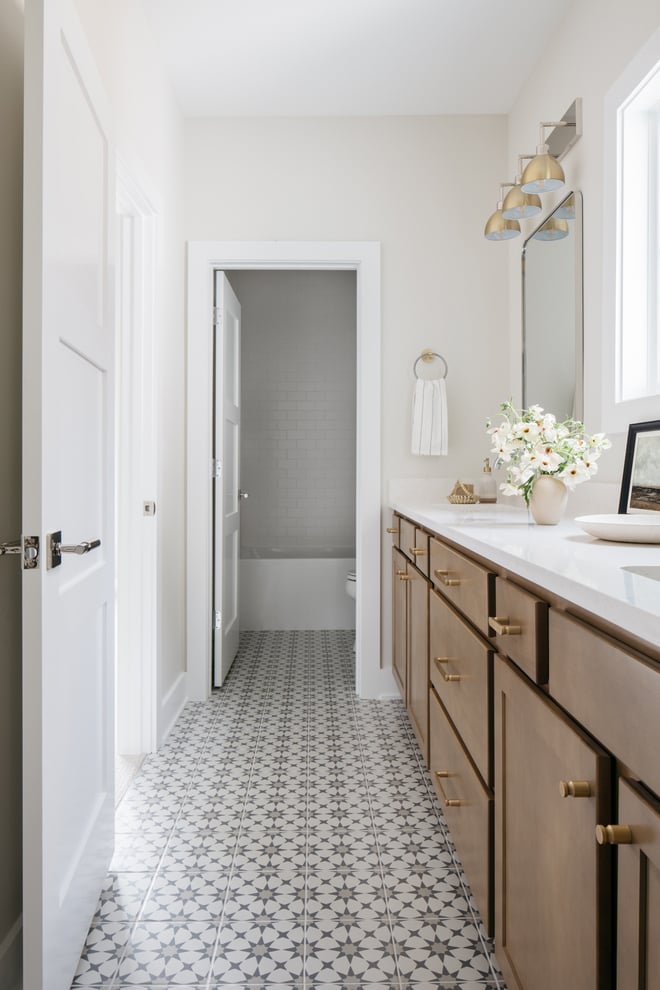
x=298 y=449
x=419 y=185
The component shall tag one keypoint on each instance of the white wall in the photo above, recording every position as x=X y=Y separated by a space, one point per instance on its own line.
x=423 y=187
x=587 y=55
x=298 y=371
x=149 y=140
x=11 y=165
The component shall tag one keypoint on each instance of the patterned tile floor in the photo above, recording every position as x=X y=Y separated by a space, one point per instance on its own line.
x=287 y=835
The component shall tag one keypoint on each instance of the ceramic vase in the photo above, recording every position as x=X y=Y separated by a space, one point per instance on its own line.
x=548 y=501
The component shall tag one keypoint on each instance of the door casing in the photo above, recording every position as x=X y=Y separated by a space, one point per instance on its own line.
x=363 y=257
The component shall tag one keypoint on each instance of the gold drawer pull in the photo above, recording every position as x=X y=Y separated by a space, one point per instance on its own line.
x=447 y=581
x=500 y=625
x=405 y=577
x=438 y=661
x=417 y=551
x=575 y=788
x=614 y=835
x=399 y=573
x=449 y=802
x=392 y=529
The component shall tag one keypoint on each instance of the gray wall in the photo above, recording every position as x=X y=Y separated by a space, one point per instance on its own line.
x=11 y=166
x=298 y=375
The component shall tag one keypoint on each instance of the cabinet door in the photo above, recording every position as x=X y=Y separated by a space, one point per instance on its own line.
x=399 y=621
x=638 y=926
x=553 y=894
x=418 y=658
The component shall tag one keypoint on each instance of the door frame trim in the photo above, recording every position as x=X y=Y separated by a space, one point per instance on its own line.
x=363 y=257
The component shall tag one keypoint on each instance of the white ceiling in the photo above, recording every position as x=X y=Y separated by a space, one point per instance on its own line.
x=350 y=57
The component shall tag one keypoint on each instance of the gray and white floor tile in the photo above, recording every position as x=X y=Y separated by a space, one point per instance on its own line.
x=286 y=836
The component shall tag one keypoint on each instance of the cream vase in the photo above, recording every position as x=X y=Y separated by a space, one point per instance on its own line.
x=548 y=501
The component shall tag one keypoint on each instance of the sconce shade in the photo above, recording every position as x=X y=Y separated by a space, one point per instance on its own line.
x=567 y=209
x=543 y=174
x=498 y=228
x=519 y=205
x=552 y=230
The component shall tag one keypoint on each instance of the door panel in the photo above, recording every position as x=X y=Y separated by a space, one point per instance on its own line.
x=227 y=456
x=399 y=622
x=418 y=659
x=68 y=417
x=639 y=890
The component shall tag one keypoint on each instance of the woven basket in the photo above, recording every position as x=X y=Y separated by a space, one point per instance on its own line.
x=462 y=495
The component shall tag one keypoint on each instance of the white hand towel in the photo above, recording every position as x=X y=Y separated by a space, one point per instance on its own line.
x=429 y=420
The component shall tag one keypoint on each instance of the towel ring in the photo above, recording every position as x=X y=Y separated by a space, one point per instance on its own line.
x=429 y=356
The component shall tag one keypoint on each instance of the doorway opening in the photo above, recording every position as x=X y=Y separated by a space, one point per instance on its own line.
x=204 y=258
x=297 y=451
x=136 y=479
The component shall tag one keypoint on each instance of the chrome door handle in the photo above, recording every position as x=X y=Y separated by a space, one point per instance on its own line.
x=7 y=548
x=56 y=548
x=242 y=494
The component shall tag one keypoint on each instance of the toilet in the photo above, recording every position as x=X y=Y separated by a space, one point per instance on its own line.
x=350 y=589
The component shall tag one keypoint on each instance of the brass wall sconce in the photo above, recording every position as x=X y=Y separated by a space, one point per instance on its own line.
x=542 y=174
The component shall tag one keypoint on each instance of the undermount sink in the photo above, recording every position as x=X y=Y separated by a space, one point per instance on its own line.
x=651 y=571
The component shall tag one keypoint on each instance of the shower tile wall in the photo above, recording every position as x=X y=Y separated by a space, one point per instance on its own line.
x=298 y=408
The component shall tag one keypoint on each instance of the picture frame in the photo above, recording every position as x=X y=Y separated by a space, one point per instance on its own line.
x=640 y=483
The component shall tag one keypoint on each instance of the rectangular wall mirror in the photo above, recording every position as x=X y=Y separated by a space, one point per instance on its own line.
x=552 y=312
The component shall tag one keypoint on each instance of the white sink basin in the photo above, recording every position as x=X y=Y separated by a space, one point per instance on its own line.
x=648 y=571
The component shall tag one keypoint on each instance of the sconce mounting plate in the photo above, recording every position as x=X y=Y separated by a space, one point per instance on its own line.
x=561 y=139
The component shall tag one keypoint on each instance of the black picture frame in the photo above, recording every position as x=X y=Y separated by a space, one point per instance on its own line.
x=640 y=483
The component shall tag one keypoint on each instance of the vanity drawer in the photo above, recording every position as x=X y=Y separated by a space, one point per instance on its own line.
x=461 y=671
x=466 y=584
x=520 y=624
x=467 y=806
x=613 y=692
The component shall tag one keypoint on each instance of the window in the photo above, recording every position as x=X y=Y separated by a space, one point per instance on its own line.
x=638 y=225
x=630 y=340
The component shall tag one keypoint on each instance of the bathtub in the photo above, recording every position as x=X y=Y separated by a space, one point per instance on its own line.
x=296 y=588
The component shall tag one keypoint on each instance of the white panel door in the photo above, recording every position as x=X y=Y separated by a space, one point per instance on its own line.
x=68 y=610
x=226 y=500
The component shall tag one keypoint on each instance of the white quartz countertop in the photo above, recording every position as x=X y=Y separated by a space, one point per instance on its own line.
x=590 y=573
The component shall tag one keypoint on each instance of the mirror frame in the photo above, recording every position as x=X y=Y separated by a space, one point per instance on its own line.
x=578 y=411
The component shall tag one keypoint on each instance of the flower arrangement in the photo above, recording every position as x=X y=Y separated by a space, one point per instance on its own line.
x=531 y=442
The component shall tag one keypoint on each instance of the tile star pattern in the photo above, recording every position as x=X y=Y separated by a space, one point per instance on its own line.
x=286 y=836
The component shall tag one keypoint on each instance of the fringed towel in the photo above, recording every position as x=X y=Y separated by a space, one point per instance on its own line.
x=429 y=420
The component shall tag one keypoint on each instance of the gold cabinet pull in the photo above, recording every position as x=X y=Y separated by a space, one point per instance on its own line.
x=451 y=678
x=440 y=660
x=500 y=625
x=399 y=573
x=405 y=577
x=575 y=788
x=392 y=529
x=449 y=802
x=417 y=551
x=446 y=580
x=613 y=835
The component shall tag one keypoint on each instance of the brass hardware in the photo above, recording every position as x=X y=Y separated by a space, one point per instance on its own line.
x=417 y=551
x=447 y=581
x=427 y=356
x=614 y=835
x=451 y=677
x=449 y=802
x=392 y=529
x=500 y=625
x=399 y=573
x=405 y=577
x=575 y=788
x=441 y=659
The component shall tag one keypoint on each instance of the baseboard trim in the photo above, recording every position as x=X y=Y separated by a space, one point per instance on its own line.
x=171 y=707
x=10 y=957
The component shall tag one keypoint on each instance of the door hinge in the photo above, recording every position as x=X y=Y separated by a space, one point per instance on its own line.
x=217 y=619
x=217 y=316
x=216 y=469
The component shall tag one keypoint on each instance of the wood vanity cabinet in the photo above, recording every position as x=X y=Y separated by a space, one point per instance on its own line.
x=552 y=879
x=638 y=899
x=410 y=651
x=543 y=731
